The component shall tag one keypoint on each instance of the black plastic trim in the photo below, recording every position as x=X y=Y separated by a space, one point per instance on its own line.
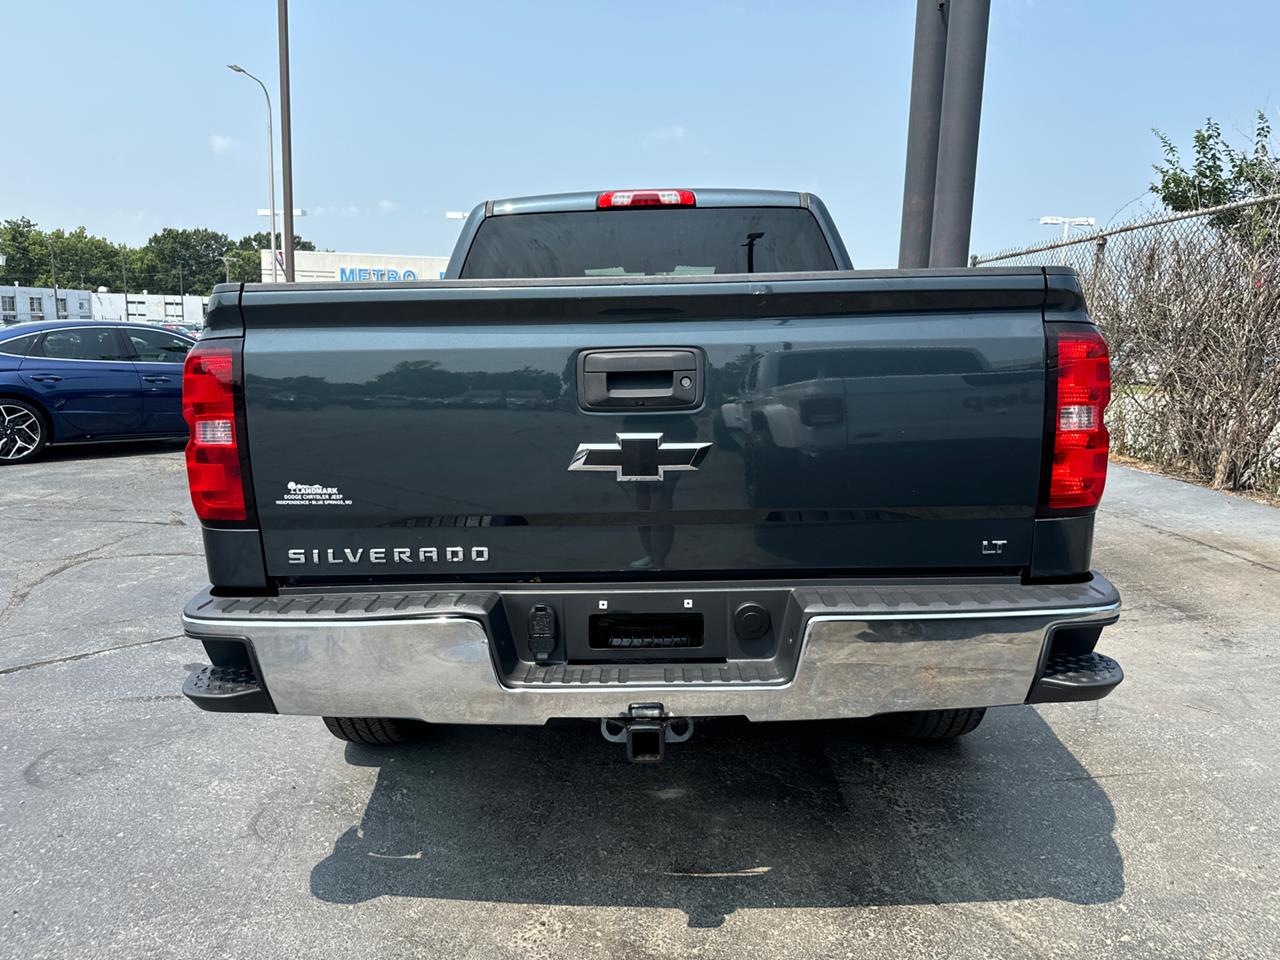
x=1062 y=546
x=1070 y=678
x=234 y=558
x=232 y=682
x=224 y=318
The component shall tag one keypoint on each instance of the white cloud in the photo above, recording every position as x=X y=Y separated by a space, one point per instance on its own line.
x=220 y=144
x=670 y=134
x=339 y=211
x=386 y=206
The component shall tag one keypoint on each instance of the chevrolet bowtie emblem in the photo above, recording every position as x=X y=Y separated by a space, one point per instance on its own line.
x=639 y=456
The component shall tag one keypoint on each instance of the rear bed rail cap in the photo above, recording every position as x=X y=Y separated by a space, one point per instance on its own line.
x=599 y=299
x=979 y=278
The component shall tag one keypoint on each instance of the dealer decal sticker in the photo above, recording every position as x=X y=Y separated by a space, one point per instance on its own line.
x=311 y=495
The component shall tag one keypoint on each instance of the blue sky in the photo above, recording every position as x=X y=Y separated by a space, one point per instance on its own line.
x=122 y=117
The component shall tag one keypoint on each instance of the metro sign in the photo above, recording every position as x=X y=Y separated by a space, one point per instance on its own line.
x=378 y=274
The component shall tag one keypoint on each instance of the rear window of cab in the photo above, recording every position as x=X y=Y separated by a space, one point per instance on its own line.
x=648 y=242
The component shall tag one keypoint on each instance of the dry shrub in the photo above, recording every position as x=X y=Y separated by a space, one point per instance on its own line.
x=1191 y=309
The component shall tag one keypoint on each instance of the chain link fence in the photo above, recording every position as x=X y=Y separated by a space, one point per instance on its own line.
x=1190 y=304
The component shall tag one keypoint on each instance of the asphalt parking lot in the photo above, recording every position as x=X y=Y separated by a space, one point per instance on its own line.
x=134 y=825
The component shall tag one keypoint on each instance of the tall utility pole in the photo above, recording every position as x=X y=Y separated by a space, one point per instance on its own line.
x=53 y=275
x=927 y=63
x=942 y=132
x=286 y=139
x=958 y=132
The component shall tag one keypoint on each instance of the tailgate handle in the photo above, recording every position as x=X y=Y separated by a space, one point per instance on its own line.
x=650 y=379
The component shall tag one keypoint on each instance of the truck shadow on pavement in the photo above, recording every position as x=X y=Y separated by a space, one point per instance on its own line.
x=741 y=816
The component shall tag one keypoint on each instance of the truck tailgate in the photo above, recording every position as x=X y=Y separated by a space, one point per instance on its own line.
x=854 y=422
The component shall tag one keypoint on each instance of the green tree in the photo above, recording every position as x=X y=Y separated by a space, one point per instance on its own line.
x=140 y=271
x=84 y=261
x=243 y=266
x=75 y=259
x=246 y=264
x=1221 y=174
x=172 y=261
x=187 y=261
x=262 y=241
x=26 y=252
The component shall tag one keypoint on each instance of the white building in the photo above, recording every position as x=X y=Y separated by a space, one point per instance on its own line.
x=21 y=304
x=155 y=308
x=325 y=265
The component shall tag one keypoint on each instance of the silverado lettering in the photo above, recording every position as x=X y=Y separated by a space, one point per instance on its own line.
x=298 y=555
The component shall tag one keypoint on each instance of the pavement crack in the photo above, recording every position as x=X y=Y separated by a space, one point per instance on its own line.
x=175 y=522
x=89 y=653
x=1202 y=543
x=148 y=556
x=75 y=560
x=1101 y=776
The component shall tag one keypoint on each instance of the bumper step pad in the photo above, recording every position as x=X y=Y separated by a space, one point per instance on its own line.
x=738 y=672
x=227 y=690
x=1078 y=676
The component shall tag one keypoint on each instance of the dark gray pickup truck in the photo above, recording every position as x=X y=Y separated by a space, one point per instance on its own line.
x=644 y=457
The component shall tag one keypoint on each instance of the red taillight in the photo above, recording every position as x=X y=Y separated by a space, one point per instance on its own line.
x=213 y=453
x=1080 y=439
x=614 y=199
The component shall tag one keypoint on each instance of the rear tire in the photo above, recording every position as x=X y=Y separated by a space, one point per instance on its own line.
x=932 y=724
x=24 y=432
x=373 y=731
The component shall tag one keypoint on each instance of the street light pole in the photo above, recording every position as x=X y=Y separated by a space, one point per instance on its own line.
x=1068 y=223
x=271 y=165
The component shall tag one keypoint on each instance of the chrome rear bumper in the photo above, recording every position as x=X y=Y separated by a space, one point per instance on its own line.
x=862 y=650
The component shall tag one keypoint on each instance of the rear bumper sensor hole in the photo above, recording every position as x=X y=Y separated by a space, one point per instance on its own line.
x=645 y=631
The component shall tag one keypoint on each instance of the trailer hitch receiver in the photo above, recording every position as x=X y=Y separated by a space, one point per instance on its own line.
x=646 y=729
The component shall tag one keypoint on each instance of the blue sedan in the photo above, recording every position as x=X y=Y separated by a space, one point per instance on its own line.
x=70 y=381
